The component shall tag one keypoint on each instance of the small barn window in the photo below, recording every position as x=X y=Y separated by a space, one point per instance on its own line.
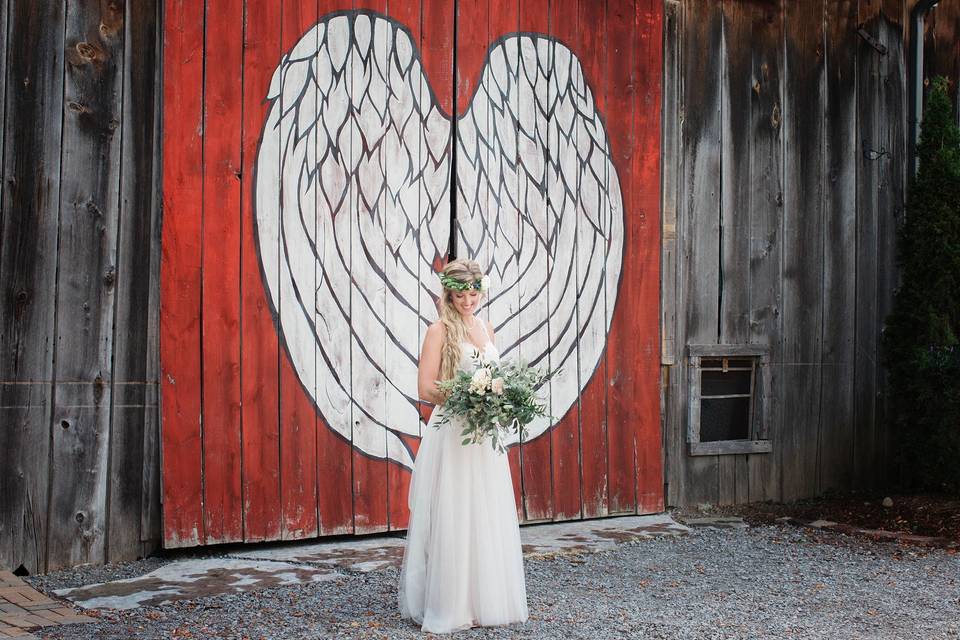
x=728 y=385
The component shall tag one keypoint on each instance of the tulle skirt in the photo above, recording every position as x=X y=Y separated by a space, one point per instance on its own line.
x=463 y=564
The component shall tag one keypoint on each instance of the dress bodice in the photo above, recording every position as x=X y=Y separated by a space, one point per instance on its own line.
x=468 y=350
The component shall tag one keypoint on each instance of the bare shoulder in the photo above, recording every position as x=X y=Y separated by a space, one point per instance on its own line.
x=489 y=325
x=435 y=331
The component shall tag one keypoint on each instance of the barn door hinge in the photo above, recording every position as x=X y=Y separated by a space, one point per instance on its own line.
x=873 y=42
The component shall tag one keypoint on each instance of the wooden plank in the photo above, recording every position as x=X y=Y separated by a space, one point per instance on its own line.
x=334 y=453
x=259 y=365
x=298 y=419
x=367 y=344
x=563 y=220
x=728 y=447
x=735 y=179
x=642 y=256
x=590 y=40
x=504 y=308
x=28 y=233
x=180 y=274
x=220 y=287
x=405 y=328
x=766 y=229
x=804 y=173
x=622 y=99
x=867 y=343
x=132 y=513
x=673 y=318
x=892 y=195
x=535 y=454
x=151 y=525
x=835 y=435
x=700 y=225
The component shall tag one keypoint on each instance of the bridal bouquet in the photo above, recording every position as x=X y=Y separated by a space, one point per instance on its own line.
x=497 y=399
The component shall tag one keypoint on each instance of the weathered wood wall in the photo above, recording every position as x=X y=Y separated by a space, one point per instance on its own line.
x=79 y=260
x=785 y=149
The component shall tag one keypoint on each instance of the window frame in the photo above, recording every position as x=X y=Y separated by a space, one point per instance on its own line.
x=759 y=440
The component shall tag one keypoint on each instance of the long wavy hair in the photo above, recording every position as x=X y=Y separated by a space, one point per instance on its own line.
x=456 y=329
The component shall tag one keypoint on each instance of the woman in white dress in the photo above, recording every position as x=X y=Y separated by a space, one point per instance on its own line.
x=463 y=564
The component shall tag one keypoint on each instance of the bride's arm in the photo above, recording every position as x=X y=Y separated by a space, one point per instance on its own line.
x=428 y=369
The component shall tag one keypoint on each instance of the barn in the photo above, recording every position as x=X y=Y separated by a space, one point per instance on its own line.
x=222 y=222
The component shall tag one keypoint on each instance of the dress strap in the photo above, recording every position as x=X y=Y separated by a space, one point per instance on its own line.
x=486 y=330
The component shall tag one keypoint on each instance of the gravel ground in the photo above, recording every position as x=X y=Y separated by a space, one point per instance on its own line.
x=764 y=582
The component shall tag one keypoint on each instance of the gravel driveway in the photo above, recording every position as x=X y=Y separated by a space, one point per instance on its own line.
x=764 y=582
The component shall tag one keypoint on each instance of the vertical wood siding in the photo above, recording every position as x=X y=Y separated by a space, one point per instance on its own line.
x=788 y=184
x=247 y=456
x=79 y=265
x=80 y=231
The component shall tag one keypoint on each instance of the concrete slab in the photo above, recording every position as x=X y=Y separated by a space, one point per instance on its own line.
x=293 y=563
x=188 y=579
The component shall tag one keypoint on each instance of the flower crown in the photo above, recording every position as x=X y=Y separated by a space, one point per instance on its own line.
x=449 y=282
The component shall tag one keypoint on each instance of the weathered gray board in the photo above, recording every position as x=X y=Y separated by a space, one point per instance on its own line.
x=79 y=461
x=787 y=185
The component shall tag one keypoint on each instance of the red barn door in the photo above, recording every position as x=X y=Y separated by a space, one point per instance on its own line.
x=318 y=159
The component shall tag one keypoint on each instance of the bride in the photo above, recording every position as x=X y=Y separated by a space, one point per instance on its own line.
x=462 y=564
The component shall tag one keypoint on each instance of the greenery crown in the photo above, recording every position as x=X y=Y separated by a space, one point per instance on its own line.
x=449 y=282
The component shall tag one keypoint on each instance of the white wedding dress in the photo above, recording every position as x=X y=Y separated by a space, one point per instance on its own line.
x=463 y=564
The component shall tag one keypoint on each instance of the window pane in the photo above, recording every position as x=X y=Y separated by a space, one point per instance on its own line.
x=724 y=419
x=718 y=383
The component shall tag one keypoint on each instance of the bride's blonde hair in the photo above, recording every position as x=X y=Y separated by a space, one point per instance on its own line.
x=456 y=329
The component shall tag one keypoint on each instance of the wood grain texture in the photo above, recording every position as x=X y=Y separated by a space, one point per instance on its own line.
x=590 y=38
x=134 y=503
x=766 y=227
x=868 y=176
x=622 y=359
x=536 y=455
x=298 y=416
x=28 y=264
x=893 y=184
x=700 y=225
x=220 y=296
x=180 y=278
x=260 y=355
x=565 y=435
x=89 y=215
x=804 y=185
x=835 y=433
x=642 y=256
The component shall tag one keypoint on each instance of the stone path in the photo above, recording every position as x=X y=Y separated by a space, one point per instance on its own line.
x=264 y=566
x=23 y=608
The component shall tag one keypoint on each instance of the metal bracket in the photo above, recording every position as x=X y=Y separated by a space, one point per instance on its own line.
x=873 y=42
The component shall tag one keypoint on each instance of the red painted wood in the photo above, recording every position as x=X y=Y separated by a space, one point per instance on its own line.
x=298 y=417
x=260 y=355
x=180 y=274
x=565 y=436
x=644 y=222
x=622 y=341
x=334 y=454
x=589 y=42
x=223 y=507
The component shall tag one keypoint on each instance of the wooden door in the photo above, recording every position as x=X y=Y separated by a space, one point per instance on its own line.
x=313 y=180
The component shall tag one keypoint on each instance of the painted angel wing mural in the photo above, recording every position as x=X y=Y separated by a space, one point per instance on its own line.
x=352 y=209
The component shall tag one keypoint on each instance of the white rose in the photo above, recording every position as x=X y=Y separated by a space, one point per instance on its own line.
x=496 y=385
x=484 y=283
x=480 y=380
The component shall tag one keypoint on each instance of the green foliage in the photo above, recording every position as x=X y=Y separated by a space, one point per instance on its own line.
x=497 y=399
x=921 y=340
